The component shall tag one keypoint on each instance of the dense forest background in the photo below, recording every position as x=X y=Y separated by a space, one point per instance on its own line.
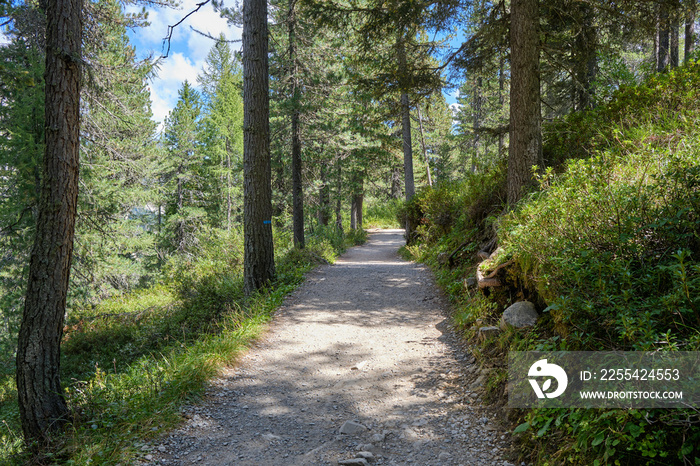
x=361 y=134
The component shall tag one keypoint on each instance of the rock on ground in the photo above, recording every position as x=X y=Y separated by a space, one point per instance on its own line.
x=519 y=315
x=288 y=399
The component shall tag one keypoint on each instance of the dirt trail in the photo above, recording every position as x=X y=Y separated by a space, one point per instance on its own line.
x=364 y=340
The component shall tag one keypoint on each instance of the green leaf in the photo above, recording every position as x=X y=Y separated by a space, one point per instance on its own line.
x=521 y=428
x=551 y=307
x=598 y=439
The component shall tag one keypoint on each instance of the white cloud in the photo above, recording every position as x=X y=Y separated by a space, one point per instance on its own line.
x=209 y=22
x=171 y=74
x=188 y=49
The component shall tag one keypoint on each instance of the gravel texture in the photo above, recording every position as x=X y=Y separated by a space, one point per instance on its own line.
x=358 y=367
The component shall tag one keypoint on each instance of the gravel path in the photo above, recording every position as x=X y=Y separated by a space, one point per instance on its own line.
x=362 y=347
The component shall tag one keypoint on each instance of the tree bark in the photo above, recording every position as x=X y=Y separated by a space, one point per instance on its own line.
x=689 y=35
x=476 y=123
x=228 y=188
x=396 y=182
x=356 y=202
x=674 y=31
x=407 y=147
x=297 y=189
x=324 y=200
x=42 y=406
x=525 y=135
x=501 y=97
x=585 y=59
x=258 y=259
x=405 y=121
x=664 y=34
x=425 y=150
x=339 y=198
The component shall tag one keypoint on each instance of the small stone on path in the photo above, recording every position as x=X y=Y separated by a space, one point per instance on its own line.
x=352 y=428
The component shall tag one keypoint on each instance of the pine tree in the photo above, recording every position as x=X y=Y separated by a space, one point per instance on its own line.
x=42 y=406
x=222 y=136
x=183 y=181
x=259 y=258
x=525 y=148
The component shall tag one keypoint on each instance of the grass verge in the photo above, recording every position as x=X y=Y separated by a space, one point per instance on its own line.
x=608 y=249
x=132 y=362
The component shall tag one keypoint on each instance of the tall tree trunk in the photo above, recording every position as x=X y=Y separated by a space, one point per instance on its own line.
x=339 y=198
x=228 y=189
x=41 y=403
x=525 y=135
x=297 y=189
x=396 y=182
x=259 y=257
x=674 y=30
x=664 y=34
x=501 y=97
x=356 y=201
x=585 y=59
x=689 y=35
x=407 y=147
x=476 y=123
x=425 y=151
x=405 y=120
x=323 y=198
x=180 y=233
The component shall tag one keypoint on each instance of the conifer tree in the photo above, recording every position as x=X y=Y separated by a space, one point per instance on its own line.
x=259 y=258
x=222 y=135
x=42 y=406
x=184 y=198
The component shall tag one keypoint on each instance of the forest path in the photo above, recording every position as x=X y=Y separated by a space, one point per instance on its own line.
x=364 y=340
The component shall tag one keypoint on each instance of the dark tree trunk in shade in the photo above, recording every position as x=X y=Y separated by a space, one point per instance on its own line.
x=425 y=149
x=259 y=259
x=405 y=120
x=674 y=30
x=396 y=190
x=324 y=200
x=338 y=198
x=42 y=406
x=501 y=97
x=356 y=202
x=407 y=147
x=664 y=34
x=525 y=148
x=689 y=35
x=476 y=140
x=297 y=189
x=586 y=62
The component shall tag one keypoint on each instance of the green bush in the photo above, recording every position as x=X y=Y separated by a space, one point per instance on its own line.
x=612 y=244
x=609 y=246
x=132 y=360
x=381 y=214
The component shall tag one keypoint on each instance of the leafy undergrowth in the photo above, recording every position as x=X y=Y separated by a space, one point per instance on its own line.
x=132 y=362
x=607 y=247
x=382 y=214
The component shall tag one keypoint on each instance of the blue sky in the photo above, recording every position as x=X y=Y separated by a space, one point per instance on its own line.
x=187 y=52
x=188 y=49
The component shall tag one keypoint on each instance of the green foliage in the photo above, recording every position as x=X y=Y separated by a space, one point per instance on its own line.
x=656 y=113
x=132 y=361
x=451 y=209
x=382 y=214
x=613 y=246
x=610 y=247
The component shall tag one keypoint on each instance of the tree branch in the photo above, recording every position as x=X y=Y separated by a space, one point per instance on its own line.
x=168 y=37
